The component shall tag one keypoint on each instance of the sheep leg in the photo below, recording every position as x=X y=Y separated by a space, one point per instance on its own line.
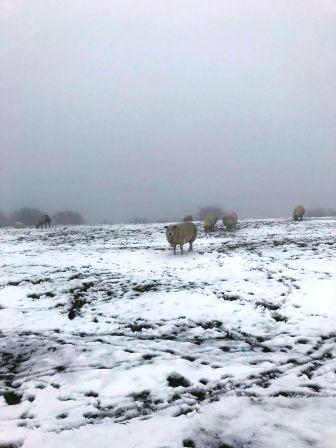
x=190 y=246
x=174 y=250
x=181 y=247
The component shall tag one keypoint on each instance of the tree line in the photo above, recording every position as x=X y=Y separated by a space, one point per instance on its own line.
x=320 y=212
x=202 y=213
x=317 y=212
x=30 y=216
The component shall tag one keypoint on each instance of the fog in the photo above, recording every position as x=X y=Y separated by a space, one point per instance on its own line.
x=154 y=108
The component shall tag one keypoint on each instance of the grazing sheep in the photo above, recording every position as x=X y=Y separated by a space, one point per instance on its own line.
x=179 y=234
x=43 y=221
x=19 y=225
x=188 y=218
x=210 y=222
x=230 y=220
x=298 y=213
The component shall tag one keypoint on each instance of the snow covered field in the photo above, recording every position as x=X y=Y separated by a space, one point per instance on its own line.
x=109 y=340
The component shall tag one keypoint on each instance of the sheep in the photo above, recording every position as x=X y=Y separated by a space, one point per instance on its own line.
x=230 y=220
x=179 y=234
x=43 y=221
x=19 y=225
x=210 y=222
x=298 y=213
x=188 y=218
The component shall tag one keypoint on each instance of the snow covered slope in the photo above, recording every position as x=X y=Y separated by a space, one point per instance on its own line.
x=109 y=340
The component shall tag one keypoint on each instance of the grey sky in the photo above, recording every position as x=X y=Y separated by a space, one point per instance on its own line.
x=123 y=108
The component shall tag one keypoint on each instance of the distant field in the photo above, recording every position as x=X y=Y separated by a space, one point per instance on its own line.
x=107 y=339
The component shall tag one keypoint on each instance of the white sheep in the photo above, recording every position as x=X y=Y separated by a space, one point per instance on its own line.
x=230 y=220
x=210 y=222
x=179 y=234
x=298 y=213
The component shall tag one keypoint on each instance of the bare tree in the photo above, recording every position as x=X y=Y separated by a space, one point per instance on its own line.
x=29 y=216
x=68 y=217
x=3 y=219
x=204 y=211
x=320 y=212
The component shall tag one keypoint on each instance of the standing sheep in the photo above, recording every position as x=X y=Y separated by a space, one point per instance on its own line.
x=19 y=225
x=43 y=221
x=298 y=213
x=179 y=234
x=230 y=220
x=210 y=222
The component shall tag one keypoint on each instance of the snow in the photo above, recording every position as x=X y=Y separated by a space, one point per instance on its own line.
x=108 y=339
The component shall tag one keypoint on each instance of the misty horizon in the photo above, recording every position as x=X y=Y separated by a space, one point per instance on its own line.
x=154 y=109
x=138 y=219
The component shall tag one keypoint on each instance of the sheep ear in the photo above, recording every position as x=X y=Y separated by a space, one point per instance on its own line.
x=174 y=227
